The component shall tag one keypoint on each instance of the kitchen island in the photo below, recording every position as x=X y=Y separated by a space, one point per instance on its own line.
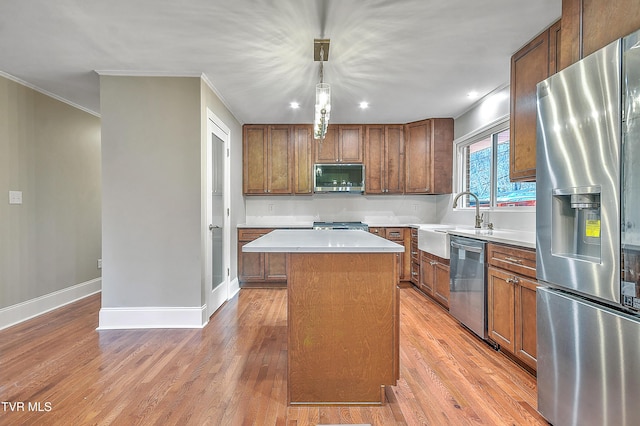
x=342 y=314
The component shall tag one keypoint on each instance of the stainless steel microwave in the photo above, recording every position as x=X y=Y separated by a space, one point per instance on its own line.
x=338 y=178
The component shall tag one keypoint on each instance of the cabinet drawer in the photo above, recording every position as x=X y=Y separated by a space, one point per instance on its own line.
x=250 y=234
x=515 y=259
x=378 y=231
x=395 y=234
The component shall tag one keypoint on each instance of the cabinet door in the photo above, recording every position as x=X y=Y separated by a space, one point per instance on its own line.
x=250 y=265
x=555 y=32
x=529 y=66
x=500 y=307
x=427 y=273
x=275 y=266
x=279 y=160
x=397 y=235
x=303 y=159
x=393 y=160
x=415 y=273
x=418 y=152
x=374 y=160
x=607 y=21
x=351 y=143
x=525 y=321
x=441 y=285
x=327 y=149
x=254 y=152
x=380 y=232
x=442 y=157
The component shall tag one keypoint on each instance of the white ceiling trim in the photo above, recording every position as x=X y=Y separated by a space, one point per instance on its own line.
x=213 y=88
x=47 y=93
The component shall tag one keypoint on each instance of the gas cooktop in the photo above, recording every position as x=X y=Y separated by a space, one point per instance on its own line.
x=340 y=225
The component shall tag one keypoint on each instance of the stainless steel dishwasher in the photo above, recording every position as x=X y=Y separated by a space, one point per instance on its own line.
x=468 y=284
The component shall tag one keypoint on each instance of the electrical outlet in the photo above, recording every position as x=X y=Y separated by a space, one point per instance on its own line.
x=270 y=208
x=99 y=263
x=415 y=207
x=15 y=197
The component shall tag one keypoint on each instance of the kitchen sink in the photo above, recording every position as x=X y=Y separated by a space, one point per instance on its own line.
x=434 y=239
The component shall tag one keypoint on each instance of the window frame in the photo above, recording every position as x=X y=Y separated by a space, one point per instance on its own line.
x=459 y=166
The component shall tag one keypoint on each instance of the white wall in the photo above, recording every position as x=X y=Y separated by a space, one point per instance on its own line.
x=371 y=209
x=151 y=199
x=485 y=113
x=213 y=102
x=49 y=244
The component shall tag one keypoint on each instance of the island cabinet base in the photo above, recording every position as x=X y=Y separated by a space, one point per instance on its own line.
x=343 y=327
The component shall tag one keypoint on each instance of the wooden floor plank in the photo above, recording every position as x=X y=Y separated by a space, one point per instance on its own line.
x=234 y=371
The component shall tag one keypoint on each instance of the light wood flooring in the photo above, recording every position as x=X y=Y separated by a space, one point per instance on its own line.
x=233 y=372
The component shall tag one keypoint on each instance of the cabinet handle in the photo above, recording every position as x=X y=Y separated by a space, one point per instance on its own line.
x=414 y=273
x=514 y=260
x=414 y=252
x=431 y=262
x=513 y=280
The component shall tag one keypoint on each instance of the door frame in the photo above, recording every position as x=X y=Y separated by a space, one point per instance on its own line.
x=217 y=296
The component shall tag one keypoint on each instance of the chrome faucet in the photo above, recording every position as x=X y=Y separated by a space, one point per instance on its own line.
x=478 y=215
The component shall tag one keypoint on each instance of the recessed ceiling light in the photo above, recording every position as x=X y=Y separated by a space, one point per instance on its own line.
x=472 y=94
x=294 y=105
x=364 y=105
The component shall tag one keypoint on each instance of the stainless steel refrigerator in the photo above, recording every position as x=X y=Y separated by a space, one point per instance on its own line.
x=588 y=239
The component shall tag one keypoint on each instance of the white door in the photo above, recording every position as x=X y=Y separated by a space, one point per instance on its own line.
x=217 y=240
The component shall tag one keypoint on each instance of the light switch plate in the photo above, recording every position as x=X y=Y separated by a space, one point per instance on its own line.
x=15 y=197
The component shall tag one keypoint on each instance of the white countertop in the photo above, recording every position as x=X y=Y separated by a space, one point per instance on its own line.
x=504 y=236
x=277 y=225
x=321 y=241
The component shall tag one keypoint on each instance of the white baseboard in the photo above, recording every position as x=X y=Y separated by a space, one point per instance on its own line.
x=234 y=288
x=20 y=312
x=158 y=317
x=151 y=317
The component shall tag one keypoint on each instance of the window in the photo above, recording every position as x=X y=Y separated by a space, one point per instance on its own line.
x=484 y=170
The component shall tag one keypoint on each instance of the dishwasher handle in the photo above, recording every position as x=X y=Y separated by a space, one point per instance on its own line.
x=466 y=247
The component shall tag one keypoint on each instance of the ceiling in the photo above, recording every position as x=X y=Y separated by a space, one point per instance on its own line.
x=410 y=59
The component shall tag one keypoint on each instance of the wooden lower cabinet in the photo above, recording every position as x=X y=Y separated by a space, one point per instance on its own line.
x=343 y=340
x=441 y=284
x=414 y=258
x=434 y=278
x=400 y=236
x=260 y=269
x=511 y=303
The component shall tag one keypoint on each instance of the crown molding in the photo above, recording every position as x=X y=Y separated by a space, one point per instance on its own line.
x=47 y=93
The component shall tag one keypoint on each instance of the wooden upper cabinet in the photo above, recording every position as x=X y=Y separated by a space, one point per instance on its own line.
x=303 y=159
x=351 y=144
x=428 y=147
x=267 y=159
x=530 y=65
x=374 y=159
x=394 y=158
x=254 y=154
x=342 y=144
x=555 y=39
x=279 y=160
x=327 y=150
x=384 y=159
x=588 y=25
